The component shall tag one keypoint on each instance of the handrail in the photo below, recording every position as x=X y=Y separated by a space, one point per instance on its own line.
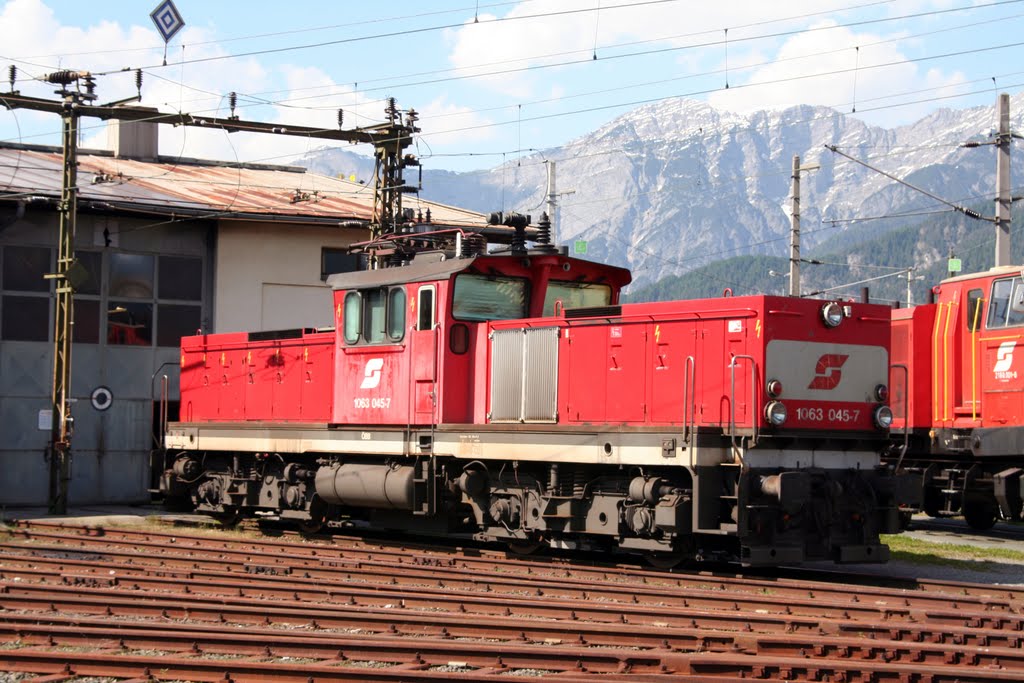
x=164 y=391
x=689 y=393
x=159 y=441
x=906 y=411
x=732 y=402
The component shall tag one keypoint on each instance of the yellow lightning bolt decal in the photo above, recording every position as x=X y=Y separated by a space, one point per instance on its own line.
x=657 y=333
x=757 y=327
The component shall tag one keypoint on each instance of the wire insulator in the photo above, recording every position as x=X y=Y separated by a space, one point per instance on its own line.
x=138 y=81
x=12 y=75
x=341 y=119
x=232 y=101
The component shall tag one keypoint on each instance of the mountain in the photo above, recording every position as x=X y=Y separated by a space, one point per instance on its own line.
x=678 y=184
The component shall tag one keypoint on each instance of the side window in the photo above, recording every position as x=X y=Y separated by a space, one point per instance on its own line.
x=335 y=260
x=425 y=309
x=375 y=316
x=975 y=310
x=353 y=314
x=396 y=313
x=374 y=308
x=25 y=301
x=1007 y=307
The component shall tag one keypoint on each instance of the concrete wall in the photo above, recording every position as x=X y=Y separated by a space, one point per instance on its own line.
x=268 y=276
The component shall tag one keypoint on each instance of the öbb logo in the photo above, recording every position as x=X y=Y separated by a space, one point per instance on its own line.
x=827 y=371
x=1004 y=361
x=371 y=375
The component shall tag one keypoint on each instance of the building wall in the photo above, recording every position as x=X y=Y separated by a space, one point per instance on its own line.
x=148 y=281
x=269 y=276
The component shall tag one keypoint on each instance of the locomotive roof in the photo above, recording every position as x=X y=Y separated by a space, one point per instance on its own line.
x=991 y=272
x=442 y=270
x=414 y=272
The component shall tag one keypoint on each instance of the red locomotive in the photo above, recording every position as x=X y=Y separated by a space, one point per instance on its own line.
x=511 y=397
x=958 y=396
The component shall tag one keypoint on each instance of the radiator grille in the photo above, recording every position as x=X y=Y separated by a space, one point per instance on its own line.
x=524 y=375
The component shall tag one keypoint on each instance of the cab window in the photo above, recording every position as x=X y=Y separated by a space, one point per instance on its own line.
x=576 y=295
x=483 y=297
x=375 y=316
x=975 y=310
x=1007 y=308
x=425 y=310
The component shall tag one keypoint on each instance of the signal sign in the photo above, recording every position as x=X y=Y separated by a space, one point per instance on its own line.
x=167 y=19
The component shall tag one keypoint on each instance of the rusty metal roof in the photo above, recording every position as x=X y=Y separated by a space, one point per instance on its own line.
x=214 y=189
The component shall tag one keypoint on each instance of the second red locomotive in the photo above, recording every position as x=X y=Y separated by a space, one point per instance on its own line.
x=958 y=396
x=511 y=397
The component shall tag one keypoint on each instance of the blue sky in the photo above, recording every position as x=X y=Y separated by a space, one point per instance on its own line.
x=492 y=80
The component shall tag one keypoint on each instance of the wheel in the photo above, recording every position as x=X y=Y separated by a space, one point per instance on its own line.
x=980 y=515
x=230 y=517
x=525 y=546
x=906 y=518
x=318 y=513
x=664 y=560
x=932 y=503
x=310 y=527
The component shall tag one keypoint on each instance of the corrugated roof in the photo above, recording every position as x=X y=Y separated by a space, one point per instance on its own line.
x=217 y=189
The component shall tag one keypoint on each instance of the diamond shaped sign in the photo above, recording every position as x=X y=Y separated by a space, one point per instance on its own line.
x=167 y=19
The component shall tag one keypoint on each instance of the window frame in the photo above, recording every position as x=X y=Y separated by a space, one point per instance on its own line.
x=975 y=301
x=421 y=294
x=1016 y=286
x=388 y=294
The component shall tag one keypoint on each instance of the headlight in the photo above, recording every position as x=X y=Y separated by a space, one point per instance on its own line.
x=883 y=417
x=775 y=412
x=832 y=314
x=774 y=388
x=882 y=393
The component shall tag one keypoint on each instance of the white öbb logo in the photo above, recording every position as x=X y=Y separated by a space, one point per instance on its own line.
x=371 y=375
x=1004 y=359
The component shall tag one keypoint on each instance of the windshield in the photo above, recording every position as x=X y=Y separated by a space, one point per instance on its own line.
x=479 y=297
x=575 y=295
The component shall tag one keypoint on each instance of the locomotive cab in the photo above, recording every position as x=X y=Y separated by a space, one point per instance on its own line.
x=412 y=341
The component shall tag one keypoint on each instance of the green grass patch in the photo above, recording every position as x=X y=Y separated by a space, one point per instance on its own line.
x=949 y=554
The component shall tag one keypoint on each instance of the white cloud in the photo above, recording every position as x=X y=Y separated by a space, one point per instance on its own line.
x=446 y=123
x=826 y=67
x=568 y=33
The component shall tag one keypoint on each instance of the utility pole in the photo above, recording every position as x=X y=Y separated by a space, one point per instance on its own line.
x=61 y=422
x=552 y=202
x=1002 y=218
x=794 y=232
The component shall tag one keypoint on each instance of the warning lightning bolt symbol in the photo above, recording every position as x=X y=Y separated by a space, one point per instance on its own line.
x=657 y=333
x=757 y=327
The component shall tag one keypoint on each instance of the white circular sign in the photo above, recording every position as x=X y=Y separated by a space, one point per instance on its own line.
x=101 y=398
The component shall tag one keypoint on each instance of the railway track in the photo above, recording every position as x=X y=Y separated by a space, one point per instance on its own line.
x=142 y=604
